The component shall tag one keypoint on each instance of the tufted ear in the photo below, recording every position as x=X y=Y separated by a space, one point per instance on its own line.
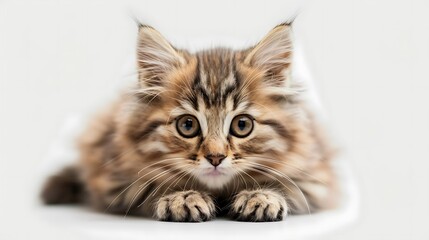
x=273 y=53
x=156 y=57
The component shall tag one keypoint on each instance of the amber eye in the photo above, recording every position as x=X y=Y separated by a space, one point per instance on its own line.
x=188 y=126
x=241 y=126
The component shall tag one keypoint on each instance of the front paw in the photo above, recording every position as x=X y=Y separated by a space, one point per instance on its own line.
x=186 y=206
x=259 y=206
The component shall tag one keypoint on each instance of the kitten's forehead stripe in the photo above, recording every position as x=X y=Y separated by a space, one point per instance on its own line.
x=193 y=98
x=200 y=91
x=217 y=78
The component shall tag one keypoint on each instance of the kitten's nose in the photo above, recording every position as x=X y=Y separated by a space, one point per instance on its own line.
x=215 y=159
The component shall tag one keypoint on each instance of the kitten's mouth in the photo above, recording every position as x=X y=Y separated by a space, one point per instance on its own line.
x=214 y=172
x=215 y=178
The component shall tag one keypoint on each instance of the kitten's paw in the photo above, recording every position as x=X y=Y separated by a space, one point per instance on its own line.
x=186 y=206
x=259 y=206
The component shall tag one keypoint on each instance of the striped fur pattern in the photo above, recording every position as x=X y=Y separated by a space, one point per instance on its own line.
x=135 y=161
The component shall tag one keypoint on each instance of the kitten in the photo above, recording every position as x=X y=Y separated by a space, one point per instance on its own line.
x=204 y=134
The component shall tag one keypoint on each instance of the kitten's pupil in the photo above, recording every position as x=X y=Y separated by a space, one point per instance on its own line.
x=242 y=124
x=188 y=124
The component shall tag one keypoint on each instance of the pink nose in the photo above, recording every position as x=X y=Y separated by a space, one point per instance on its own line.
x=215 y=159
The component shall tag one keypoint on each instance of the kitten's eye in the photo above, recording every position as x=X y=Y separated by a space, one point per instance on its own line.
x=241 y=126
x=187 y=126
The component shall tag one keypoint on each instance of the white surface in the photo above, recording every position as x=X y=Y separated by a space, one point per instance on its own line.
x=369 y=59
x=100 y=226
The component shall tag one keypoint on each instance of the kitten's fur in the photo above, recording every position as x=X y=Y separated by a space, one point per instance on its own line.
x=134 y=161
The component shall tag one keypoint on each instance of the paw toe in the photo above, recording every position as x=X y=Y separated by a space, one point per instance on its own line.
x=188 y=206
x=259 y=206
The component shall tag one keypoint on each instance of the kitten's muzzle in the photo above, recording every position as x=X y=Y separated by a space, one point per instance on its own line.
x=215 y=159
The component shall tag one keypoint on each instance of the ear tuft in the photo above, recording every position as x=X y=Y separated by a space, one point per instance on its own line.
x=141 y=25
x=156 y=56
x=286 y=23
x=289 y=22
x=274 y=52
x=138 y=23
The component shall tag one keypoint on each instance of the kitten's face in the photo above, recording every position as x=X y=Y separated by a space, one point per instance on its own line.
x=218 y=113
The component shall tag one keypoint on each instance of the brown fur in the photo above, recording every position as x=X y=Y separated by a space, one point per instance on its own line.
x=64 y=187
x=134 y=161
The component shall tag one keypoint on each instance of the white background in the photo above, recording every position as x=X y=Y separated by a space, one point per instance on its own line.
x=369 y=58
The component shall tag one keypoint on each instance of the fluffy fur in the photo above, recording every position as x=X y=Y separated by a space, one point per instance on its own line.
x=134 y=160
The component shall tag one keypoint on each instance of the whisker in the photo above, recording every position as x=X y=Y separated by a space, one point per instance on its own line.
x=176 y=181
x=160 y=161
x=129 y=186
x=275 y=171
x=258 y=169
x=259 y=186
x=138 y=192
x=242 y=178
x=191 y=176
x=159 y=186
x=166 y=180
x=167 y=165
x=276 y=161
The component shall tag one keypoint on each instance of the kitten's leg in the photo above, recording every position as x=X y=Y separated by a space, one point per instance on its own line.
x=261 y=205
x=185 y=206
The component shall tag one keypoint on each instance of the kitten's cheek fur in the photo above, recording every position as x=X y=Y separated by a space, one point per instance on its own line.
x=185 y=206
x=259 y=206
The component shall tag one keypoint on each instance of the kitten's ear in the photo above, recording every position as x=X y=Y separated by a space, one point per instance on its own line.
x=156 y=57
x=274 y=52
